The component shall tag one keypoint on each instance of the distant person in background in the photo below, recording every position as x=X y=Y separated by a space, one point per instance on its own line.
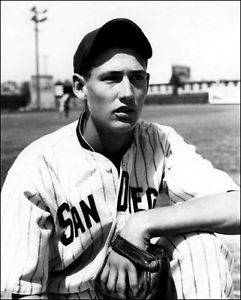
x=59 y=91
x=64 y=103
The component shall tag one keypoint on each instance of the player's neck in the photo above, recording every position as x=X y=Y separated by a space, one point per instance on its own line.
x=111 y=145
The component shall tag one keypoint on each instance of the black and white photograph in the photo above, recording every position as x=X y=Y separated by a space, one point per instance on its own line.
x=120 y=150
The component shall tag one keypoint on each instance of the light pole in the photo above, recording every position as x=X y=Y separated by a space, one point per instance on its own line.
x=36 y=19
x=45 y=58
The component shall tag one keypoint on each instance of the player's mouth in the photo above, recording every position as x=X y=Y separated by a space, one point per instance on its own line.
x=124 y=111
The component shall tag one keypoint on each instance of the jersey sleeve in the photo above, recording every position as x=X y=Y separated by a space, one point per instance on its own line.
x=187 y=174
x=25 y=232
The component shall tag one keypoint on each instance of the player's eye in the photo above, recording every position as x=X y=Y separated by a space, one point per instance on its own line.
x=138 y=78
x=112 y=78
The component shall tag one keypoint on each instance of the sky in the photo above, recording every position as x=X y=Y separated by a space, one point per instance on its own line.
x=204 y=35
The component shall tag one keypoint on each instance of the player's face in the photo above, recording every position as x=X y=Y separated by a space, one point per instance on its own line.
x=116 y=90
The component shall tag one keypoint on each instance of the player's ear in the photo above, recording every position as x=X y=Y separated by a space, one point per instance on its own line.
x=147 y=80
x=78 y=85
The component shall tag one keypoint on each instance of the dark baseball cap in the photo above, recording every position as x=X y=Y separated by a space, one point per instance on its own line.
x=118 y=32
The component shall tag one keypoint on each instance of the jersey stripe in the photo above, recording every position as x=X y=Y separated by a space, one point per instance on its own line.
x=38 y=255
x=37 y=265
x=90 y=296
x=192 y=263
x=52 y=183
x=219 y=267
x=44 y=270
x=206 y=264
x=225 y=289
x=181 y=276
x=178 y=189
x=40 y=258
x=228 y=258
x=102 y=231
x=42 y=203
x=28 y=247
x=170 y=241
x=114 y=183
x=175 y=196
x=160 y=143
x=153 y=156
x=104 y=193
x=230 y=291
x=144 y=159
x=135 y=166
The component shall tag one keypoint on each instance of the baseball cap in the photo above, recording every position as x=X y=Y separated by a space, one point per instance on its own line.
x=118 y=32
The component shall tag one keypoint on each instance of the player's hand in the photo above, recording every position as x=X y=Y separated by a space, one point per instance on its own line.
x=118 y=270
x=115 y=274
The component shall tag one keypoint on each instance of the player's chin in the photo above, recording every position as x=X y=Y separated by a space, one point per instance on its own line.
x=124 y=125
x=127 y=117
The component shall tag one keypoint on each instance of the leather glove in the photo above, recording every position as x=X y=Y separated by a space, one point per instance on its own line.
x=154 y=274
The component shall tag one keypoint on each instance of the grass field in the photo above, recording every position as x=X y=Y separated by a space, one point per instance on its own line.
x=214 y=129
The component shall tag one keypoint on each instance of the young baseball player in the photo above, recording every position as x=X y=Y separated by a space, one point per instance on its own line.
x=70 y=193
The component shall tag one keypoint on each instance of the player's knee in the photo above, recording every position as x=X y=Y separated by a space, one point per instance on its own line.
x=201 y=265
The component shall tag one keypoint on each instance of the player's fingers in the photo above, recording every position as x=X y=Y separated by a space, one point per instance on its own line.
x=104 y=276
x=133 y=279
x=121 y=284
x=111 y=282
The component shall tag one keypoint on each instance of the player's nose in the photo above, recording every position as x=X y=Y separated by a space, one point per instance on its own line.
x=126 y=88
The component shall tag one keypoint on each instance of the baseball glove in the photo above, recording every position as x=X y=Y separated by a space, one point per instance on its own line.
x=154 y=273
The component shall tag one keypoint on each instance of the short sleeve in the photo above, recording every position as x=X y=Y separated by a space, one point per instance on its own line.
x=188 y=174
x=26 y=228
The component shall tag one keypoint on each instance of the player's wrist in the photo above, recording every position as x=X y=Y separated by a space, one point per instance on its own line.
x=135 y=231
x=152 y=223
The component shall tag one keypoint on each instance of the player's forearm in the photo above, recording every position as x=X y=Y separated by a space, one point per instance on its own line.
x=218 y=213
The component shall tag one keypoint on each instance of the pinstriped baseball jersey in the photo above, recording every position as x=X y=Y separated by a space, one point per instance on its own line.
x=62 y=202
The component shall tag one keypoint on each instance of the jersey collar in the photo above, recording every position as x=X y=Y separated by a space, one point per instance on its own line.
x=80 y=130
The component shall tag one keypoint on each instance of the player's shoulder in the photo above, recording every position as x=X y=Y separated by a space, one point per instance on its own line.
x=152 y=128
x=45 y=144
x=58 y=136
x=154 y=134
x=163 y=133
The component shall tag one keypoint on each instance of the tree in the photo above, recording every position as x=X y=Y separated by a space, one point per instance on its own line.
x=25 y=90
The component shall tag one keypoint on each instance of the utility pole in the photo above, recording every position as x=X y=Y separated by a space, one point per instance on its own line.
x=36 y=19
x=45 y=58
